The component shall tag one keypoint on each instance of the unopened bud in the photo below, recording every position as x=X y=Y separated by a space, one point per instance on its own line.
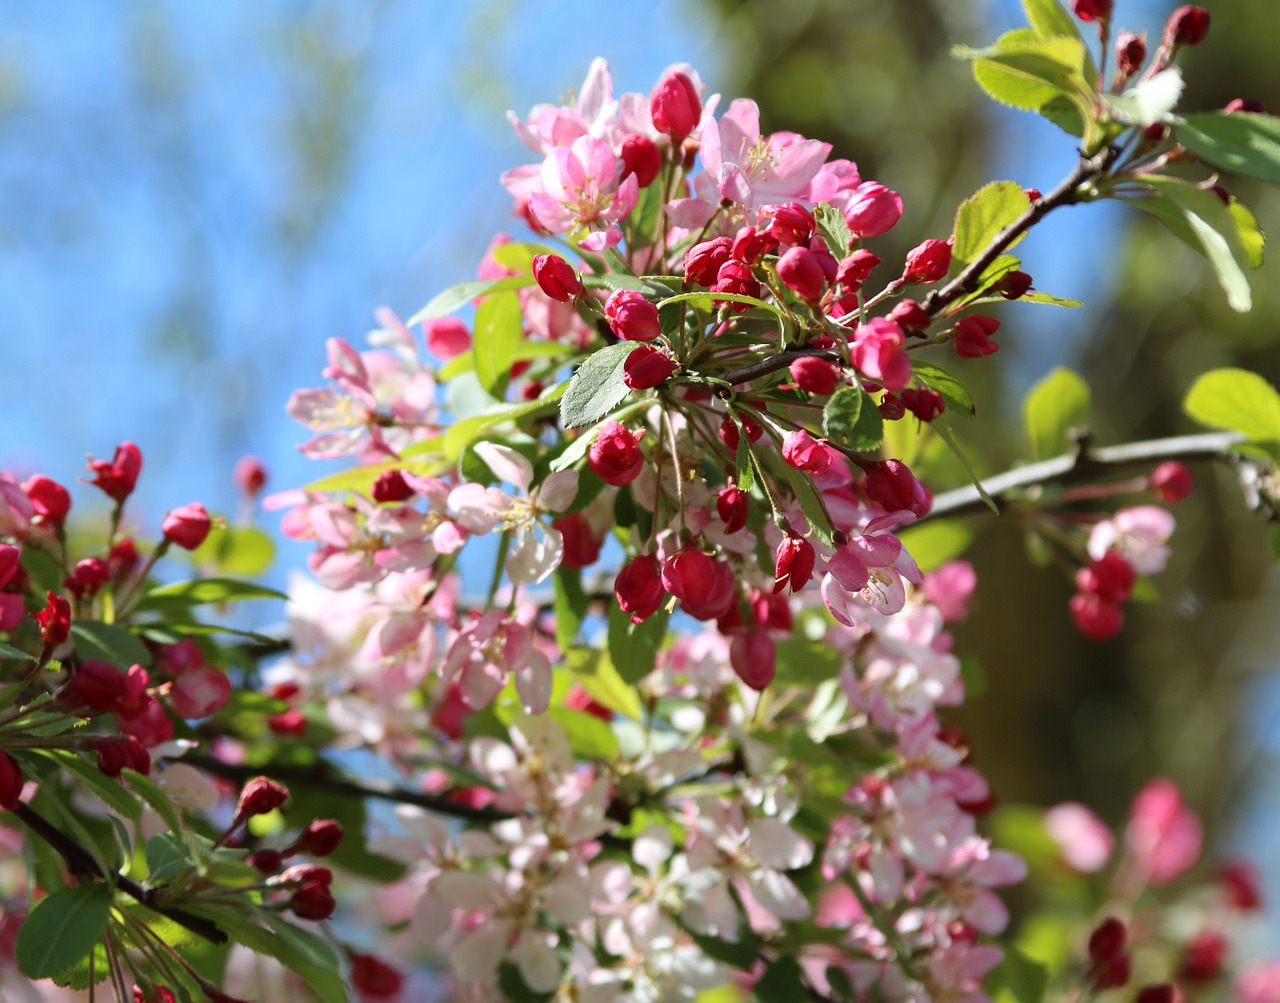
x=187 y=526
x=675 y=107
x=556 y=277
x=259 y=796
x=927 y=262
x=1172 y=481
x=631 y=316
x=1187 y=25
x=646 y=367
x=320 y=838
x=641 y=157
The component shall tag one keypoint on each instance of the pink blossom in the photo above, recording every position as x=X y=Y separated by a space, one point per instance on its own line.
x=1259 y=983
x=1139 y=533
x=489 y=650
x=1084 y=842
x=1164 y=836
x=878 y=353
x=751 y=169
x=580 y=189
x=950 y=588
x=872 y=567
x=593 y=112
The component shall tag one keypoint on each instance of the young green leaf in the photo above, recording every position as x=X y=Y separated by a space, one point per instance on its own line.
x=833 y=228
x=104 y=787
x=463 y=433
x=984 y=216
x=10 y=652
x=236 y=551
x=594 y=671
x=1245 y=143
x=1240 y=401
x=1046 y=75
x=597 y=387
x=570 y=604
x=499 y=329
x=633 y=648
x=203 y=591
x=954 y=393
x=936 y=542
x=852 y=419
x=108 y=643
x=62 y=929
x=1059 y=402
x=464 y=292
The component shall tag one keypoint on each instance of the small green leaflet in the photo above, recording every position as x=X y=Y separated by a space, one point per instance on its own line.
x=1045 y=75
x=236 y=551
x=108 y=643
x=597 y=387
x=954 y=393
x=833 y=228
x=10 y=652
x=984 y=216
x=464 y=292
x=1244 y=142
x=104 y=787
x=936 y=542
x=633 y=648
x=62 y=929
x=518 y=255
x=593 y=670
x=203 y=591
x=1240 y=401
x=499 y=329
x=852 y=419
x=1059 y=402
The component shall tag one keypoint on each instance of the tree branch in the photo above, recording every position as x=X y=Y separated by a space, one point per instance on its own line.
x=1085 y=465
x=82 y=865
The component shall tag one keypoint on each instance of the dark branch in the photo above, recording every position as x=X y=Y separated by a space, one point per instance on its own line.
x=1086 y=465
x=82 y=865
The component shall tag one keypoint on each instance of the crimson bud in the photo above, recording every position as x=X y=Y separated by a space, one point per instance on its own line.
x=972 y=336
x=754 y=657
x=1240 y=885
x=1131 y=52
x=631 y=316
x=55 y=619
x=689 y=575
x=702 y=261
x=1014 y=286
x=446 y=337
x=319 y=839
x=1186 y=26
x=854 y=269
x=125 y=752
x=11 y=782
x=802 y=451
x=729 y=431
x=750 y=244
x=731 y=504
x=390 y=486
x=313 y=901
x=641 y=157
x=1172 y=481
x=892 y=486
x=266 y=860
x=1160 y=992
x=801 y=272
x=187 y=526
x=581 y=547
x=910 y=316
x=250 y=475
x=1110 y=578
x=793 y=566
x=49 y=499
x=1095 y=618
x=615 y=456
x=10 y=561
x=1203 y=957
x=791 y=224
x=817 y=376
x=924 y=404
x=118 y=477
x=675 y=106
x=374 y=978
x=873 y=210
x=260 y=796
x=638 y=588
x=1093 y=10
x=646 y=367
x=1244 y=104
x=927 y=262
x=737 y=278
x=556 y=277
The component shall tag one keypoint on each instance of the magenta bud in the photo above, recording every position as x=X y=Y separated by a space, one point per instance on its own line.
x=556 y=277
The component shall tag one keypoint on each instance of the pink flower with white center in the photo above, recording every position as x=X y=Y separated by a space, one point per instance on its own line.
x=878 y=353
x=872 y=567
x=490 y=649
x=1083 y=840
x=1140 y=533
x=754 y=170
x=593 y=112
x=580 y=189
x=972 y=870
x=537 y=547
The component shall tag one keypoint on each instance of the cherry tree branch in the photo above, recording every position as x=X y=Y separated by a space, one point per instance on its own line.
x=1084 y=465
x=82 y=865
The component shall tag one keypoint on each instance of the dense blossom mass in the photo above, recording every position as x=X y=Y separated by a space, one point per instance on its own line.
x=625 y=599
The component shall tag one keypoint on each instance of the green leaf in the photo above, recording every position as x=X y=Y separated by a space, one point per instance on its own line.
x=1240 y=401
x=810 y=502
x=236 y=551
x=1045 y=298
x=1150 y=101
x=852 y=419
x=597 y=387
x=302 y=943
x=1245 y=143
x=1059 y=402
x=589 y=737
x=594 y=671
x=517 y=255
x=108 y=643
x=1045 y=75
x=649 y=285
x=936 y=542
x=745 y=469
x=499 y=329
x=463 y=433
x=62 y=929
x=203 y=591
x=1048 y=19
x=462 y=293
x=703 y=301
x=105 y=788
x=465 y=362
x=166 y=857
x=577 y=449
x=782 y=982
x=570 y=604
x=1252 y=239
x=634 y=647
x=982 y=217
x=360 y=479
x=1017 y=979
x=833 y=228
x=10 y=652
x=147 y=789
x=1200 y=220
x=953 y=392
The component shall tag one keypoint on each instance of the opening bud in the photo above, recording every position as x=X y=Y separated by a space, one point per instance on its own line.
x=638 y=588
x=631 y=316
x=260 y=796
x=615 y=456
x=675 y=106
x=927 y=262
x=556 y=277
x=49 y=499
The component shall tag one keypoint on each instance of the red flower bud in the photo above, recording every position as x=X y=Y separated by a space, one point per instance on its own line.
x=122 y=558
x=49 y=499
x=319 y=839
x=640 y=156
x=793 y=565
x=266 y=861
x=729 y=431
x=927 y=262
x=291 y=723
x=972 y=336
x=1033 y=194
x=615 y=456
x=731 y=505
x=638 y=588
x=260 y=796
x=801 y=272
x=10 y=562
x=556 y=278
x=631 y=316
x=1110 y=578
x=87 y=577
x=892 y=486
x=1240 y=885
x=689 y=575
x=1095 y=618
x=1014 y=286
x=873 y=210
x=1093 y=10
x=675 y=106
x=1203 y=958
x=374 y=978
x=250 y=475
x=446 y=337
x=1107 y=940
x=751 y=244
x=581 y=546
x=702 y=261
x=1161 y=992
x=313 y=901
x=814 y=375
x=910 y=316
x=891 y=407
x=647 y=367
x=1131 y=53
x=737 y=278
x=754 y=658
x=771 y=610
x=11 y=781
x=125 y=752
x=924 y=404
x=1172 y=481
x=1186 y=26
x=118 y=478
x=790 y=224
x=390 y=486
x=187 y=526
x=802 y=451
x=99 y=687
x=55 y=619
x=855 y=269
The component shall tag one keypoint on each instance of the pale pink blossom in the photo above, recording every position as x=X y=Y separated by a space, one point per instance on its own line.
x=1140 y=533
x=1164 y=836
x=579 y=190
x=874 y=567
x=489 y=650
x=1083 y=840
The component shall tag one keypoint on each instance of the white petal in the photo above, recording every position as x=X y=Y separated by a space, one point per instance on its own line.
x=558 y=491
x=506 y=464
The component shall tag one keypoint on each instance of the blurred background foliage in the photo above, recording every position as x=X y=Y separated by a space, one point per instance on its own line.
x=192 y=198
